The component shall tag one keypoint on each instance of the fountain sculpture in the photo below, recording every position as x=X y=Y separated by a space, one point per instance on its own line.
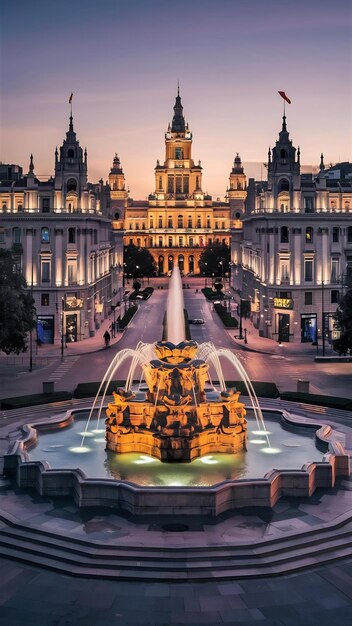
x=175 y=419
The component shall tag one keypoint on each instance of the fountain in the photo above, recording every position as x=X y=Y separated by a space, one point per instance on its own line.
x=174 y=420
x=175 y=415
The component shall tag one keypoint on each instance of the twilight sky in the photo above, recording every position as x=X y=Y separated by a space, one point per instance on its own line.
x=122 y=60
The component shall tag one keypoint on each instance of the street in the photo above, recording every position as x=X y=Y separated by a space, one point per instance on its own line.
x=331 y=378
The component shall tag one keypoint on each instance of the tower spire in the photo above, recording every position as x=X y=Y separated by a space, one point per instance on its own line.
x=31 y=167
x=178 y=121
x=322 y=164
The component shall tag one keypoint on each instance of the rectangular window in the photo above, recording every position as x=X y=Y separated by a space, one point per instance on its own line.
x=137 y=225
x=308 y=297
x=72 y=271
x=178 y=153
x=170 y=242
x=45 y=205
x=16 y=235
x=335 y=234
x=178 y=184
x=185 y=184
x=151 y=223
x=170 y=184
x=335 y=270
x=284 y=270
x=216 y=225
x=199 y=222
x=160 y=223
x=308 y=270
x=45 y=299
x=45 y=271
x=180 y=241
x=208 y=223
x=190 y=222
x=308 y=205
x=191 y=241
x=160 y=242
x=335 y=296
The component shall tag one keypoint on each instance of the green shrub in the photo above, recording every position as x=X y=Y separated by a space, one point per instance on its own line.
x=210 y=294
x=128 y=316
x=90 y=390
x=333 y=402
x=225 y=316
x=19 y=402
x=262 y=389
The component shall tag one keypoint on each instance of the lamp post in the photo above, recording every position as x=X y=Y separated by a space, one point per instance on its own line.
x=31 y=330
x=241 y=331
x=322 y=318
x=62 y=326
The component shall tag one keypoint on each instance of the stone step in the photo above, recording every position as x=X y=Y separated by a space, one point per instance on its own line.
x=135 y=572
x=185 y=561
x=96 y=550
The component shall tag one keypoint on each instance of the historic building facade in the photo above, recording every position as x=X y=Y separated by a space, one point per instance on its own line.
x=179 y=219
x=60 y=231
x=293 y=258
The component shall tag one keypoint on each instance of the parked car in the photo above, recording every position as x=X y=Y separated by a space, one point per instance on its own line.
x=196 y=321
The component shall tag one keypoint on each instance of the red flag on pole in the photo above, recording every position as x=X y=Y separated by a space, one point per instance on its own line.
x=71 y=96
x=283 y=95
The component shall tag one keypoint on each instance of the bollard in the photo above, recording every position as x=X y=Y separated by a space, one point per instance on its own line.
x=303 y=386
x=49 y=386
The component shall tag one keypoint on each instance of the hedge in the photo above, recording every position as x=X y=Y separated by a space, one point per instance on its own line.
x=333 y=402
x=19 y=402
x=225 y=316
x=90 y=390
x=124 y=321
x=262 y=389
x=210 y=294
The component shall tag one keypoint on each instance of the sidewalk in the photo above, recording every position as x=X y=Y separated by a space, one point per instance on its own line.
x=255 y=343
x=79 y=348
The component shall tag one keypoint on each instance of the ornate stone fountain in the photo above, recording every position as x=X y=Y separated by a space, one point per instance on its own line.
x=173 y=419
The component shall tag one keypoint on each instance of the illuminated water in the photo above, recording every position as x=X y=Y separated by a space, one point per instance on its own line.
x=289 y=450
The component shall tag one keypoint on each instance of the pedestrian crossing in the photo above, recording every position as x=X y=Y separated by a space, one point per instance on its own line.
x=62 y=369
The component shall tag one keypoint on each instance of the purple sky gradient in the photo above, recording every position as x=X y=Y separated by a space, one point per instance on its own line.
x=123 y=58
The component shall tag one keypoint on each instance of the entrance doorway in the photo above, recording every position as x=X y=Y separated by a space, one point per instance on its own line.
x=71 y=328
x=284 y=328
x=45 y=328
x=181 y=263
x=191 y=264
x=170 y=263
x=308 y=328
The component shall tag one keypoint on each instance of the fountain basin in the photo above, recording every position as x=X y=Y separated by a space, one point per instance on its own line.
x=176 y=497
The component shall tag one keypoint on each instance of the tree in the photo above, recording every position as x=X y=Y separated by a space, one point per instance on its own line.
x=138 y=262
x=17 y=311
x=343 y=323
x=215 y=260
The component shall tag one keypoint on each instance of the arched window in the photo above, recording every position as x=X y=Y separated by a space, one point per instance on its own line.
x=238 y=215
x=170 y=263
x=283 y=153
x=71 y=184
x=160 y=183
x=191 y=264
x=117 y=215
x=284 y=234
x=71 y=235
x=309 y=234
x=70 y=153
x=179 y=221
x=45 y=235
x=169 y=222
x=284 y=185
x=161 y=264
x=189 y=221
x=181 y=262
